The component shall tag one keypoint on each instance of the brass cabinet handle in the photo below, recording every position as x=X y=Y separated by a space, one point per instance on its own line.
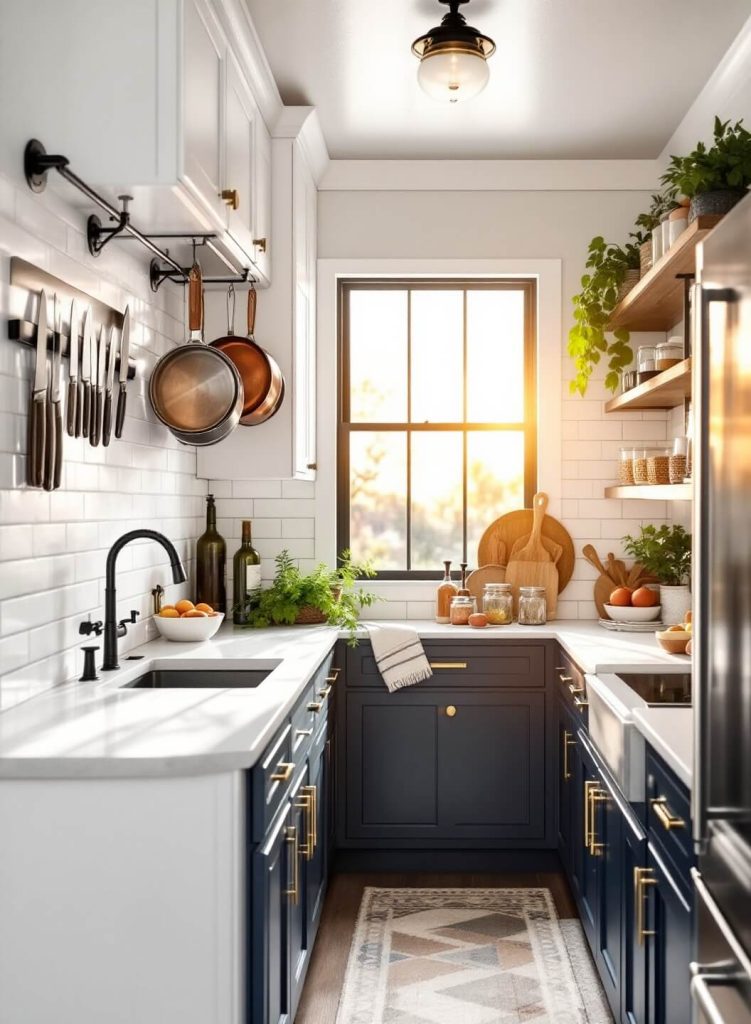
x=579 y=703
x=450 y=711
x=325 y=691
x=574 y=689
x=313 y=819
x=568 y=741
x=665 y=816
x=596 y=796
x=335 y=672
x=231 y=197
x=587 y=786
x=260 y=243
x=283 y=771
x=315 y=706
x=311 y=465
x=303 y=732
x=307 y=802
x=642 y=878
x=566 y=679
x=291 y=839
x=448 y=664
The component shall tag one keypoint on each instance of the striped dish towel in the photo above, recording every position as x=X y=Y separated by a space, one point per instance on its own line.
x=399 y=655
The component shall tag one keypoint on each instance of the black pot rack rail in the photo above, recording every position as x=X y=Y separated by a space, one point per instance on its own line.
x=37 y=163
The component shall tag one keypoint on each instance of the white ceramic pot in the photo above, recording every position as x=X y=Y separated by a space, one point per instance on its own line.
x=656 y=244
x=675 y=601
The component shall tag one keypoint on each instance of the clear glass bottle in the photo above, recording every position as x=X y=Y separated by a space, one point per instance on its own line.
x=246 y=571
x=626 y=466
x=444 y=595
x=462 y=606
x=211 y=563
x=498 y=603
x=533 y=607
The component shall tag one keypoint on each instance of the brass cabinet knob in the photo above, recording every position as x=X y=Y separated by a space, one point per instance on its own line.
x=231 y=197
x=260 y=244
x=450 y=711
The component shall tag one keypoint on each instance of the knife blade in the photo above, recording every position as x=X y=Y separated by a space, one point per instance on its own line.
x=109 y=384
x=84 y=403
x=72 y=398
x=97 y=403
x=38 y=411
x=124 y=355
x=53 y=430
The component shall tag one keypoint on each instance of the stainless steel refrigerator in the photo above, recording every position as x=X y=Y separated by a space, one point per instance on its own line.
x=721 y=313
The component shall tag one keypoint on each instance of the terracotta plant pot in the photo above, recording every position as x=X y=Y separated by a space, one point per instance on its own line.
x=716 y=203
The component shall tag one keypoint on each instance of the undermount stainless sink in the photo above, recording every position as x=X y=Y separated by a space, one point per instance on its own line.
x=202 y=678
x=612 y=700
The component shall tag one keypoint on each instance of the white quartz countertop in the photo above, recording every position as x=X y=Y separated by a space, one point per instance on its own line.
x=102 y=730
x=670 y=731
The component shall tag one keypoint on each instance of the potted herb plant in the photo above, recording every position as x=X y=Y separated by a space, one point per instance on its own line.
x=665 y=552
x=713 y=178
x=650 y=248
x=608 y=269
x=324 y=595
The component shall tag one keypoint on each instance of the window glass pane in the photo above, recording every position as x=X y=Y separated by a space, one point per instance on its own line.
x=437 y=356
x=378 y=497
x=378 y=356
x=436 y=498
x=495 y=356
x=495 y=480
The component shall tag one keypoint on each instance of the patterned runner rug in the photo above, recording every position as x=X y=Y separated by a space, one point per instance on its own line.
x=468 y=956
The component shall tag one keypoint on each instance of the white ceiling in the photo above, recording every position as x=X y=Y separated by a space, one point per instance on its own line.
x=570 y=78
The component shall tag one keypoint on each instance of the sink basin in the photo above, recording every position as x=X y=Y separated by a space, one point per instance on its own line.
x=204 y=678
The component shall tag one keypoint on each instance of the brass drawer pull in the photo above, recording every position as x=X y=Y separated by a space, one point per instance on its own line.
x=307 y=802
x=450 y=711
x=283 y=771
x=315 y=707
x=335 y=672
x=574 y=689
x=325 y=691
x=448 y=664
x=587 y=808
x=260 y=243
x=596 y=796
x=568 y=741
x=294 y=892
x=231 y=197
x=641 y=879
x=579 y=703
x=566 y=679
x=303 y=732
x=665 y=816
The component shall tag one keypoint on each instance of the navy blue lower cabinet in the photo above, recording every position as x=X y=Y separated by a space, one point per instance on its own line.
x=670 y=946
x=316 y=852
x=606 y=850
x=634 y=1004
x=299 y=941
x=567 y=771
x=273 y=870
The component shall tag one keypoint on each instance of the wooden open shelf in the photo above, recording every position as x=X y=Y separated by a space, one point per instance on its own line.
x=656 y=303
x=652 y=492
x=664 y=391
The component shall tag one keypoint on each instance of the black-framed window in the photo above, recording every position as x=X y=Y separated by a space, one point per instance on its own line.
x=436 y=417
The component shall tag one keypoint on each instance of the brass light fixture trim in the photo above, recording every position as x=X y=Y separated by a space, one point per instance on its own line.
x=453 y=35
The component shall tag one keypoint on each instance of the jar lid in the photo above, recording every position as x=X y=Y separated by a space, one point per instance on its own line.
x=532 y=591
x=497 y=587
x=462 y=599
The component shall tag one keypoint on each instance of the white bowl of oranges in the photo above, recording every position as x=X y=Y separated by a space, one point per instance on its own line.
x=627 y=605
x=186 y=622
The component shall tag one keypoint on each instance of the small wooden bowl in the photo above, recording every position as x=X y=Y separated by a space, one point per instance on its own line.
x=673 y=642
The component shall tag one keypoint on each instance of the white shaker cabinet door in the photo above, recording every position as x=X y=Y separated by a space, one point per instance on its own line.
x=304 y=206
x=262 y=201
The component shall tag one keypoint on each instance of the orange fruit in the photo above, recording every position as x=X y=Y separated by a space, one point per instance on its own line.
x=193 y=613
x=644 y=598
x=688 y=617
x=166 y=606
x=168 y=612
x=203 y=607
x=621 y=597
x=184 y=606
x=212 y=615
x=675 y=629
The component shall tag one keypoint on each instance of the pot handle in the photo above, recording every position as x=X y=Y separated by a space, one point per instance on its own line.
x=195 y=299
x=252 y=300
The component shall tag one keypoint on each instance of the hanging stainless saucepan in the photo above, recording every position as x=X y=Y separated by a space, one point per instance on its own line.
x=196 y=390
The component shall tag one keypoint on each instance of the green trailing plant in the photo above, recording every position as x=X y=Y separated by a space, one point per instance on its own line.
x=588 y=340
x=724 y=165
x=664 y=551
x=334 y=592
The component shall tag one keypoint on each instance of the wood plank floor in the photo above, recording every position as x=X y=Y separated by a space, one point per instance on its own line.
x=320 y=998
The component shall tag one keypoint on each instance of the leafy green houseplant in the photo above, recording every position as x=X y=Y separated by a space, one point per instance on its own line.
x=607 y=266
x=332 y=593
x=665 y=552
x=721 y=171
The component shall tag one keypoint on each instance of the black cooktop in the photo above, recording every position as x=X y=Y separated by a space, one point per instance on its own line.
x=660 y=687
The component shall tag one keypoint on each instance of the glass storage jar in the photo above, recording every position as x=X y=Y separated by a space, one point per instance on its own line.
x=533 y=607
x=626 y=466
x=639 y=465
x=658 y=467
x=668 y=353
x=498 y=603
x=461 y=609
x=678 y=466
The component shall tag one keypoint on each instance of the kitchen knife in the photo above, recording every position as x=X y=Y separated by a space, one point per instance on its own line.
x=72 y=397
x=38 y=410
x=109 y=384
x=84 y=403
x=124 y=354
x=53 y=450
x=97 y=403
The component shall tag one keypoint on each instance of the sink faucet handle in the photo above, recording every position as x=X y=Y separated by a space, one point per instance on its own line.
x=87 y=627
x=124 y=623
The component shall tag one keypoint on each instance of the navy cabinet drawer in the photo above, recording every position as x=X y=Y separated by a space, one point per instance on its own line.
x=455 y=664
x=569 y=680
x=669 y=815
x=270 y=781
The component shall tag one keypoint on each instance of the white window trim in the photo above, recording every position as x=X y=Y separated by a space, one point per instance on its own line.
x=546 y=272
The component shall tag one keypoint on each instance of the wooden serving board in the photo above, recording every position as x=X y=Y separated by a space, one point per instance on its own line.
x=479 y=577
x=515 y=526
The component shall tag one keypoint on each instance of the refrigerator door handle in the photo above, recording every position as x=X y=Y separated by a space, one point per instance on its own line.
x=701 y=993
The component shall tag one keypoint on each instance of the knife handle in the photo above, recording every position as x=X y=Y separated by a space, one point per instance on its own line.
x=95 y=434
x=49 y=445
x=86 y=407
x=79 y=409
x=120 y=417
x=37 y=430
x=107 y=418
x=57 y=474
x=71 y=406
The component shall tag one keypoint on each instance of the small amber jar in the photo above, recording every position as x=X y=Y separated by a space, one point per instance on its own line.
x=461 y=609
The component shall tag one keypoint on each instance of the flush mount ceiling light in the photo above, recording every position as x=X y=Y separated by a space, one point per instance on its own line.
x=453 y=57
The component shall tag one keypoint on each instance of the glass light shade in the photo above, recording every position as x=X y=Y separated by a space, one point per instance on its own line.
x=453 y=75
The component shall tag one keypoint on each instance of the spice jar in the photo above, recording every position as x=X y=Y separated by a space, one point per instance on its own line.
x=461 y=609
x=446 y=591
x=645 y=362
x=639 y=465
x=678 y=465
x=668 y=353
x=533 y=608
x=626 y=466
x=498 y=603
x=658 y=467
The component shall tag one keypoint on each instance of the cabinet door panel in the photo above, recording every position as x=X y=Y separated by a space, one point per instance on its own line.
x=566 y=786
x=586 y=862
x=670 y=948
x=608 y=835
x=315 y=867
x=634 y=980
x=269 y=962
x=239 y=128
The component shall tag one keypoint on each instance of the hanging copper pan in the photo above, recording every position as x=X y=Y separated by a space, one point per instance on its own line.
x=263 y=383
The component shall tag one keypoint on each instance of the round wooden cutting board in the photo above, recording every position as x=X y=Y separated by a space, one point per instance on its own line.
x=515 y=525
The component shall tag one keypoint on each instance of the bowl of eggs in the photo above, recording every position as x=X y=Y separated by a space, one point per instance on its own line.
x=185 y=622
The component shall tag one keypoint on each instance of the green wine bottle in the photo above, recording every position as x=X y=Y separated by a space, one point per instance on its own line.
x=247 y=577
x=211 y=563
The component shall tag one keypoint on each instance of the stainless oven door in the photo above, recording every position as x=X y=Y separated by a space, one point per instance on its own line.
x=721 y=976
